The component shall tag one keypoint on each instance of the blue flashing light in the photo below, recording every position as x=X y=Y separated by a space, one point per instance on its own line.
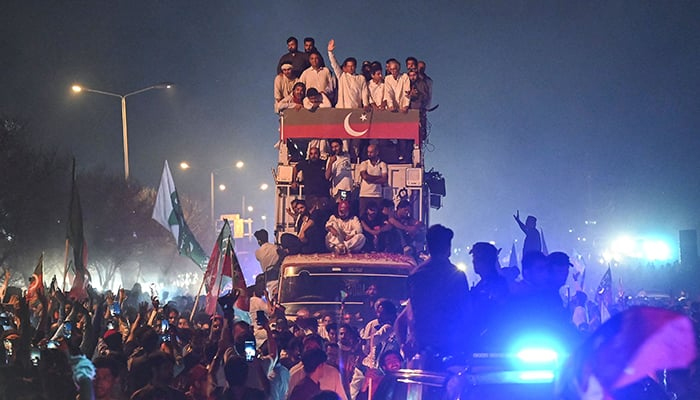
x=541 y=376
x=537 y=355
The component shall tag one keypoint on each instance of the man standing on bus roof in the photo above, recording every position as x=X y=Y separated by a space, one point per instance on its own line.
x=439 y=301
x=339 y=170
x=374 y=174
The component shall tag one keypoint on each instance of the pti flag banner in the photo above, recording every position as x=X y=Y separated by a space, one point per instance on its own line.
x=349 y=123
x=168 y=212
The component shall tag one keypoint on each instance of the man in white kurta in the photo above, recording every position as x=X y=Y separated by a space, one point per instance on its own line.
x=318 y=77
x=400 y=85
x=352 y=88
x=344 y=231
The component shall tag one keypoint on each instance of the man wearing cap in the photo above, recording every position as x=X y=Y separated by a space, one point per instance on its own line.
x=559 y=264
x=299 y=60
x=284 y=83
x=438 y=293
x=491 y=293
x=532 y=241
x=318 y=76
x=344 y=231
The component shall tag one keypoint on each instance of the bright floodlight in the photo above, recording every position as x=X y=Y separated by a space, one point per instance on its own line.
x=77 y=88
x=184 y=165
x=263 y=217
x=250 y=208
x=222 y=187
x=239 y=164
x=656 y=250
x=264 y=186
x=461 y=266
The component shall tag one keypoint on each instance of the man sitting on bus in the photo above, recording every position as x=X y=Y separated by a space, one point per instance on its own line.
x=344 y=231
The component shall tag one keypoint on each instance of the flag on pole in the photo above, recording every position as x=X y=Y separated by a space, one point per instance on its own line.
x=212 y=272
x=513 y=262
x=168 y=212
x=605 y=290
x=75 y=235
x=544 y=243
x=605 y=285
x=36 y=290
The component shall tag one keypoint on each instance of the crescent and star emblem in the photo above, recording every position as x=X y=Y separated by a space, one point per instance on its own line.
x=349 y=129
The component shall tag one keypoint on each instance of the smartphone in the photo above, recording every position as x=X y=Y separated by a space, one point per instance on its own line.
x=164 y=325
x=261 y=317
x=249 y=350
x=35 y=356
x=110 y=325
x=52 y=344
x=67 y=329
x=115 y=309
x=165 y=337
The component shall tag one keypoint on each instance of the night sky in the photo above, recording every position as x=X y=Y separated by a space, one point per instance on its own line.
x=570 y=111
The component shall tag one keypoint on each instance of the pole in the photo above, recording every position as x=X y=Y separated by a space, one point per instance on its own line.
x=211 y=200
x=196 y=299
x=125 y=140
x=65 y=266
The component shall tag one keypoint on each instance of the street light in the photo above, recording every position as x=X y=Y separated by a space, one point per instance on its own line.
x=163 y=85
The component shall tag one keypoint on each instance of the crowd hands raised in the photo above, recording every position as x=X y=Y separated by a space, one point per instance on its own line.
x=131 y=346
x=303 y=81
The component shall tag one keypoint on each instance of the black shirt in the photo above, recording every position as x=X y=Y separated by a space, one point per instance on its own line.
x=314 y=177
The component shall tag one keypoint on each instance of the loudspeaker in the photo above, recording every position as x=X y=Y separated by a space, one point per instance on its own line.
x=688 y=240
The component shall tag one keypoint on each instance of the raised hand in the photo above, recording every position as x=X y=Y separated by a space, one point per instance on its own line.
x=331 y=45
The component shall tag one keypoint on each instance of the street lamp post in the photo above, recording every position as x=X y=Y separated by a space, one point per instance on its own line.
x=239 y=165
x=125 y=136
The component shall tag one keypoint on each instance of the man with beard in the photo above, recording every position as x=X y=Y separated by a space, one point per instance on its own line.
x=344 y=231
x=312 y=174
x=299 y=60
x=284 y=83
x=339 y=170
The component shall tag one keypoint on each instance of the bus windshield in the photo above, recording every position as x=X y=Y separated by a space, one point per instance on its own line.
x=332 y=287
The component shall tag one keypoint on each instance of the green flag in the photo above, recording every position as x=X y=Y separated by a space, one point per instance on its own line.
x=168 y=212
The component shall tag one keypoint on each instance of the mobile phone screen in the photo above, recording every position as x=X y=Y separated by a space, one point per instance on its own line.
x=249 y=350
x=261 y=317
x=164 y=325
x=67 y=329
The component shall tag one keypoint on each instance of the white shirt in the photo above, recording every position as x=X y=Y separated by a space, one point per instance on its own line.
x=320 y=79
x=352 y=89
x=399 y=87
x=283 y=87
x=330 y=381
x=372 y=189
x=267 y=255
x=341 y=173
x=379 y=92
x=325 y=102
x=349 y=227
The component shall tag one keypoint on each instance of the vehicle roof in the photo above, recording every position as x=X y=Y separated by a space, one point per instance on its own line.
x=364 y=259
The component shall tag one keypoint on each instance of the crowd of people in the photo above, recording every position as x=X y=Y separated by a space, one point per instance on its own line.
x=130 y=345
x=304 y=82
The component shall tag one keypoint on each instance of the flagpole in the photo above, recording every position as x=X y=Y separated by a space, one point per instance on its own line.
x=196 y=299
x=65 y=267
